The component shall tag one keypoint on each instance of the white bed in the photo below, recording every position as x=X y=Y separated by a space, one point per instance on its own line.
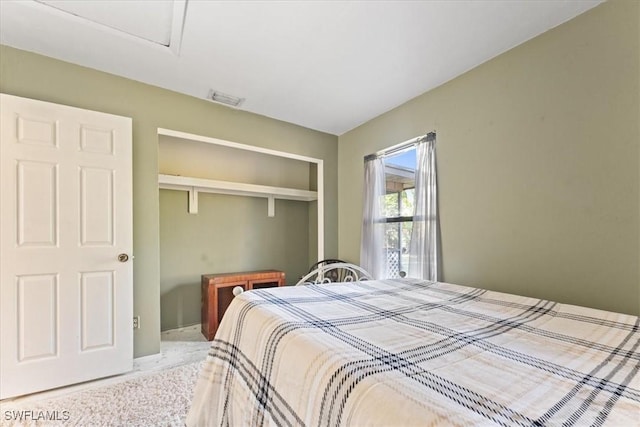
x=408 y=352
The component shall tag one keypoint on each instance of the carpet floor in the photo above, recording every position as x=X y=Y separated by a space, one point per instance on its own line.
x=160 y=398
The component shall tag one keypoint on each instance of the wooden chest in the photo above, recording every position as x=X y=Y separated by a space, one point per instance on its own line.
x=217 y=293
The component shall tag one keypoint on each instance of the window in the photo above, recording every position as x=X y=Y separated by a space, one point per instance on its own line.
x=398 y=210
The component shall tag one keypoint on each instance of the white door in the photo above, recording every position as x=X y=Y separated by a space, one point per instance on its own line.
x=66 y=300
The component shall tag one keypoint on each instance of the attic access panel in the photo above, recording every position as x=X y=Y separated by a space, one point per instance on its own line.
x=153 y=21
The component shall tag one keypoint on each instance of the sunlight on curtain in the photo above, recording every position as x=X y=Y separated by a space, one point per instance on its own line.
x=423 y=250
x=372 y=255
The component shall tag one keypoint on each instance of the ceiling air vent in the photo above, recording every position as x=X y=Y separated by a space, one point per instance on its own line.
x=223 y=98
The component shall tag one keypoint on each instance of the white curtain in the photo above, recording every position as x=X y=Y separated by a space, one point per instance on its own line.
x=423 y=250
x=372 y=255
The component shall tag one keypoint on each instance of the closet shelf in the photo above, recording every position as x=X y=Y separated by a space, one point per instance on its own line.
x=201 y=185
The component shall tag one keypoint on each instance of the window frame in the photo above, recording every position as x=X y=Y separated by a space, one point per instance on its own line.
x=398 y=219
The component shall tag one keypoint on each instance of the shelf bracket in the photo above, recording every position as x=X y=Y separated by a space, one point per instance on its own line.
x=271 y=206
x=193 y=200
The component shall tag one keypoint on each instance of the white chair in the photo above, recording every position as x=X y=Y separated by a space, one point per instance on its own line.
x=335 y=272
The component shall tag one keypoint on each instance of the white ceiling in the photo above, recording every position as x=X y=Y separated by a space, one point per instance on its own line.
x=326 y=65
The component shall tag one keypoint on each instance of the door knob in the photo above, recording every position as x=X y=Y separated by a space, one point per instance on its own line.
x=123 y=257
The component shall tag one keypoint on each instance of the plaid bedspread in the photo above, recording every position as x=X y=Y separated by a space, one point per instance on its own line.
x=409 y=352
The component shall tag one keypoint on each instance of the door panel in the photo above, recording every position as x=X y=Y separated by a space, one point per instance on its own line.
x=97 y=206
x=98 y=299
x=66 y=302
x=37 y=204
x=37 y=330
x=37 y=131
x=94 y=140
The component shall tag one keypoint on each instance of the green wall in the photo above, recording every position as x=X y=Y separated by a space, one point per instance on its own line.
x=229 y=233
x=538 y=158
x=34 y=76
